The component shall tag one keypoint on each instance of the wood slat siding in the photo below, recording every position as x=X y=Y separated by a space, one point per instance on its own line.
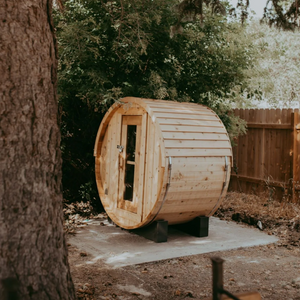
x=185 y=116
x=191 y=131
x=198 y=152
x=197 y=136
x=197 y=144
x=266 y=157
x=196 y=185
x=182 y=128
x=189 y=122
x=190 y=136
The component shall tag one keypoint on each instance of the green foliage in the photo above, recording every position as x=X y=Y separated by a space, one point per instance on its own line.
x=274 y=80
x=235 y=125
x=113 y=49
x=283 y=14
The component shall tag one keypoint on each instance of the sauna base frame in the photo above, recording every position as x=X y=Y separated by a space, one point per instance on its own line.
x=198 y=227
x=158 y=230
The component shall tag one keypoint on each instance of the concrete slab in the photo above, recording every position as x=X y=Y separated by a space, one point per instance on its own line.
x=117 y=247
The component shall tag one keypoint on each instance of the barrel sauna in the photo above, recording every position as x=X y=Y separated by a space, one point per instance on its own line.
x=161 y=160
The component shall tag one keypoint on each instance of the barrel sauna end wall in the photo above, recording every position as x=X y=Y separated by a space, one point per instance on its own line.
x=161 y=160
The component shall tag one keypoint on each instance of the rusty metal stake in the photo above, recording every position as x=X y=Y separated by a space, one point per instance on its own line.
x=217 y=269
x=218 y=290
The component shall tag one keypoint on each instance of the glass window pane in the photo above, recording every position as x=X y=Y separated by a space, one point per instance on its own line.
x=129 y=168
x=129 y=180
x=131 y=141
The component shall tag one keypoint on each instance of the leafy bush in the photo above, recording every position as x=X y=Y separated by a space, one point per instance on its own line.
x=113 y=49
x=274 y=80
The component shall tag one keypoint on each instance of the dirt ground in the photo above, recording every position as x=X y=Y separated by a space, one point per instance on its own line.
x=272 y=270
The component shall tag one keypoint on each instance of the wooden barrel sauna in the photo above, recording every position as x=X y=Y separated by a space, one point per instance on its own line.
x=161 y=160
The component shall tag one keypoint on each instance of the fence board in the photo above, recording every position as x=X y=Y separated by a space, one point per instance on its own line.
x=267 y=158
x=296 y=155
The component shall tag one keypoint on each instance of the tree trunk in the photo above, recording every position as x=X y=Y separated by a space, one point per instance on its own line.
x=33 y=254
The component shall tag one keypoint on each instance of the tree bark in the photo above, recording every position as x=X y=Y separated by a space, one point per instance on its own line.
x=33 y=253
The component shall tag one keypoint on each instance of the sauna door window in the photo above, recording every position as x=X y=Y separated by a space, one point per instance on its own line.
x=129 y=162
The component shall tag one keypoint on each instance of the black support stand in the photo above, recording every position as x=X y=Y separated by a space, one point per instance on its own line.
x=197 y=227
x=156 y=231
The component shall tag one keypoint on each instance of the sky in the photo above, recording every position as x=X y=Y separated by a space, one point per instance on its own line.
x=256 y=5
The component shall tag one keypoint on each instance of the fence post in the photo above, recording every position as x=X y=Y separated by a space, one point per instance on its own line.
x=296 y=154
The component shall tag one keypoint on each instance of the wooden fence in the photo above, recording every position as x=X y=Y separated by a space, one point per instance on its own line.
x=267 y=158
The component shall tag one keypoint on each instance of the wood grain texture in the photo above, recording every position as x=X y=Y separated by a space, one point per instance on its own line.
x=264 y=157
x=193 y=184
x=33 y=251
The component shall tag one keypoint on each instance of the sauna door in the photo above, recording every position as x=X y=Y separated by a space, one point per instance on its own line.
x=131 y=163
